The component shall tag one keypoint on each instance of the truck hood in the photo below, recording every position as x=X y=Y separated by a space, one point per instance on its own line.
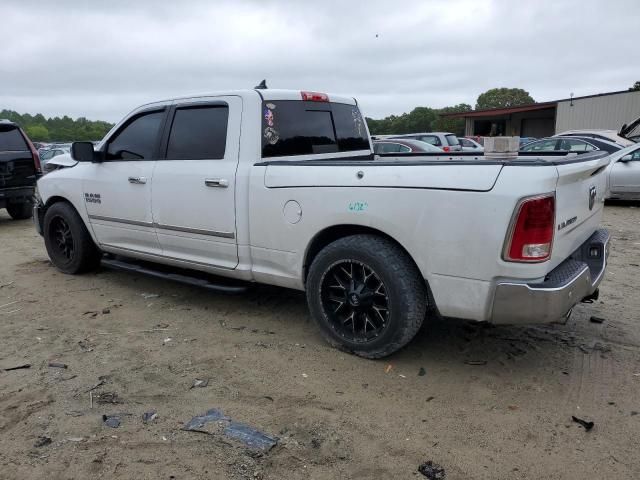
x=62 y=161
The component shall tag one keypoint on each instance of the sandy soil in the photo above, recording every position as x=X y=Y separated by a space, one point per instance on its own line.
x=336 y=416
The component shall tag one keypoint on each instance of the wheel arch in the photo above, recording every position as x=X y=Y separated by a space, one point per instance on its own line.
x=335 y=232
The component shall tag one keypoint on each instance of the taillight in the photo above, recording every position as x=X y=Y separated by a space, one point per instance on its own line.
x=446 y=149
x=34 y=152
x=531 y=234
x=314 y=96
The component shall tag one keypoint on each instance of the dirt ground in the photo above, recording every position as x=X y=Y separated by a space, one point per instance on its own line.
x=335 y=415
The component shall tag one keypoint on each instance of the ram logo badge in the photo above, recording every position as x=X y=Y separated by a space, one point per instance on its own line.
x=92 y=198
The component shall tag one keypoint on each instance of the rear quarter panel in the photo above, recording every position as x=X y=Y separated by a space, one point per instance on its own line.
x=454 y=236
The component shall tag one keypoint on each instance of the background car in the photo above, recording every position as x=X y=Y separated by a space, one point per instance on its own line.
x=526 y=140
x=470 y=145
x=404 y=145
x=608 y=135
x=624 y=174
x=570 y=144
x=447 y=141
x=52 y=151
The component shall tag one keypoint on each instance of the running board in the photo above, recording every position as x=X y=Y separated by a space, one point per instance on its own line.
x=176 y=277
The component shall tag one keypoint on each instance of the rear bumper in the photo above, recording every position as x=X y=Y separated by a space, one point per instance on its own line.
x=566 y=285
x=16 y=195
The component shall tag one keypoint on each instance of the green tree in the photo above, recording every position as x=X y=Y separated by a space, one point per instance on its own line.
x=448 y=124
x=503 y=98
x=58 y=129
x=636 y=87
x=37 y=133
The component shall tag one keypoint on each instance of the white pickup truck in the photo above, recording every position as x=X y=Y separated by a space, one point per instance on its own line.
x=282 y=188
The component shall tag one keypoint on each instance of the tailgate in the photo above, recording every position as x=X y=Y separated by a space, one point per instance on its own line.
x=580 y=193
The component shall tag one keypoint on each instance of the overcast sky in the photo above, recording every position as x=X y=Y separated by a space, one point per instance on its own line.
x=99 y=59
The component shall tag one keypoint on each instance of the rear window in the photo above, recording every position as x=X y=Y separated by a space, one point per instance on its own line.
x=430 y=139
x=452 y=140
x=295 y=127
x=198 y=133
x=11 y=139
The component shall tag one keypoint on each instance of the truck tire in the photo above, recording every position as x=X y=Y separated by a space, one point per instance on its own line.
x=20 y=211
x=69 y=245
x=366 y=295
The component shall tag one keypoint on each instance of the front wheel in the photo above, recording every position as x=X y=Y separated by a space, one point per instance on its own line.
x=20 y=211
x=67 y=240
x=366 y=295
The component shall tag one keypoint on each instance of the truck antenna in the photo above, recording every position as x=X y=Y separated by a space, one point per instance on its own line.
x=262 y=85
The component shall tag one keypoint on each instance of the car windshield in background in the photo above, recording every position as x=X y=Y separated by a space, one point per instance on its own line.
x=11 y=139
x=294 y=127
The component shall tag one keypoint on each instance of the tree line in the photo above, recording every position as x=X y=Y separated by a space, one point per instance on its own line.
x=425 y=119
x=58 y=129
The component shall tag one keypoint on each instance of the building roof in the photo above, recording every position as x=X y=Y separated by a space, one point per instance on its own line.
x=490 y=112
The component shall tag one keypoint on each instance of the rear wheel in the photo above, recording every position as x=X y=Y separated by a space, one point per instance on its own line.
x=366 y=295
x=67 y=240
x=20 y=211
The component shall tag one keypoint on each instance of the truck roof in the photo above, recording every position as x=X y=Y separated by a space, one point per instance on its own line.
x=266 y=94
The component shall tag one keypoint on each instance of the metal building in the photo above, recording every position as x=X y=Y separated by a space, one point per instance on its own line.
x=607 y=111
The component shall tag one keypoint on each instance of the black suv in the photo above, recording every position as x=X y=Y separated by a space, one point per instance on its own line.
x=19 y=169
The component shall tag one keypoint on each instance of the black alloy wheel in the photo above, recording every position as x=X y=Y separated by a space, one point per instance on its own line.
x=355 y=301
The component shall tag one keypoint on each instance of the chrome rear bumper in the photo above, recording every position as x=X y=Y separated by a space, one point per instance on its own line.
x=576 y=278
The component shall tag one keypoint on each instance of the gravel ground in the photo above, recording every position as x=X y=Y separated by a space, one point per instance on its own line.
x=142 y=342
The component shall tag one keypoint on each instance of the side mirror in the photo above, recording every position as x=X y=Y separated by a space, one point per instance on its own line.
x=83 y=152
x=627 y=158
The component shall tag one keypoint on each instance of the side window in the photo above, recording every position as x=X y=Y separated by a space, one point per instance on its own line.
x=198 y=133
x=635 y=155
x=137 y=140
x=541 y=146
x=575 y=146
x=404 y=149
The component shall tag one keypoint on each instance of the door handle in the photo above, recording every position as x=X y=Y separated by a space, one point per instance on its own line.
x=138 y=180
x=216 y=182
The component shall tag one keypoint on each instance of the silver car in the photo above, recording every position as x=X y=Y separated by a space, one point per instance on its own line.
x=446 y=141
x=624 y=174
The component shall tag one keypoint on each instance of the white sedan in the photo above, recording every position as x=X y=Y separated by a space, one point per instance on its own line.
x=624 y=174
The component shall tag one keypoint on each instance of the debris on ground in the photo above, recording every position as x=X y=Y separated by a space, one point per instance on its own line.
x=251 y=437
x=198 y=383
x=105 y=311
x=430 y=398
x=112 y=421
x=422 y=372
x=42 y=441
x=18 y=367
x=595 y=319
x=108 y=397
x=101 y=381
x=197 y=423
x=167 y=340
x=149 y=416
x=147 y=296
x=475 y=362
x=57 y=365
x=587 y=425
x=388 y=368
x=74 y=439
x=432 y=471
